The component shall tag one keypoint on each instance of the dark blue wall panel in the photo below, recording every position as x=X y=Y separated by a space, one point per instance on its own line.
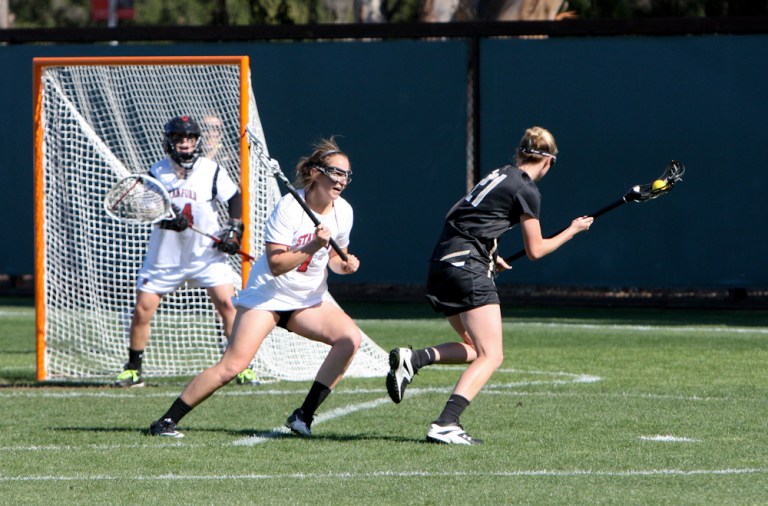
x=621 y=108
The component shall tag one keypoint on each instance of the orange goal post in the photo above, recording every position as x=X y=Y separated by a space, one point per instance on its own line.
x=97 y=120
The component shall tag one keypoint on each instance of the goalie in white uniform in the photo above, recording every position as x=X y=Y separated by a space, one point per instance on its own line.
x=175 y=253
x=286 y=287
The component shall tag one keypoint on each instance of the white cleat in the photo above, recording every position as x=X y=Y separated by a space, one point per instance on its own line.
x=450 y=434
x=400 y=374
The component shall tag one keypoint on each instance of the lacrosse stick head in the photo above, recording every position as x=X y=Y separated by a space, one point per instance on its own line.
x=138 y=199
x=662 y=185
x=272 y=164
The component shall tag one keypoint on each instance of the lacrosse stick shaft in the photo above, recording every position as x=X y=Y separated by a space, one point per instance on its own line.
x=279 y=175
x=610 y=207
x=217 y=241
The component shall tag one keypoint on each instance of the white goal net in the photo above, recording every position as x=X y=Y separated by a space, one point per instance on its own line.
x=96 y=121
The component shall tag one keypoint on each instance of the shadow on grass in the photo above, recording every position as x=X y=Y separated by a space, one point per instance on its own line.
x=244 y=433
x=28 y=381
x=25 y=383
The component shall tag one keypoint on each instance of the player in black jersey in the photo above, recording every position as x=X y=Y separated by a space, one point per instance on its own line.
x=461 y=282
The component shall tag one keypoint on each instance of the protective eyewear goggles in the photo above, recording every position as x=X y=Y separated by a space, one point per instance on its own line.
x=335 y=173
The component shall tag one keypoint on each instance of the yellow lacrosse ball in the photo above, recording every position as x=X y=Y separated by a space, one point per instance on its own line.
x=659 y=184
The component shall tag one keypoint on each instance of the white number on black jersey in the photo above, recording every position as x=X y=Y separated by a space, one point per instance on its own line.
x=484 y=187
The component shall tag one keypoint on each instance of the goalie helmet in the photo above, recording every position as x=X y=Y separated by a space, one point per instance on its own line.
x=182 y=125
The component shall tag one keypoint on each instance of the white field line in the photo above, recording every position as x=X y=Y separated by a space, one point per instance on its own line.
x=648 y=328
x=352 y=408
x=343 y=411
x=603 y=326
x=493 y=388
x=98 y=391
x=172 y=443
x=726 y=329
x=490 y=390
x=330 y=415
x=17 y=312
x=558 y=378
x=574 y=473
x=278 y=432
x=669 y=439
x=605 y=395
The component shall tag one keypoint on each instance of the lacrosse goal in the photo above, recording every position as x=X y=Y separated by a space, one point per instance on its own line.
x=96 y=121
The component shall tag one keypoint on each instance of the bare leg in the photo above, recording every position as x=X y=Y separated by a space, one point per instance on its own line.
x=146 y=306
x=453 y=352
x=327 y=323
x=250 y=328
x=483 y=327
x=221 y=297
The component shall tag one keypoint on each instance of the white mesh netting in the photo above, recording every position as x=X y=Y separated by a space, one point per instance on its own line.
x=101 y=122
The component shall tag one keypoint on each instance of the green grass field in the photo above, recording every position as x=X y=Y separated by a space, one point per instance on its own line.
x=590 y=407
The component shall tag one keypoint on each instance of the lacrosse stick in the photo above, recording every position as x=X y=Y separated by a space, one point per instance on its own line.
x=141 y=199
x=274 y=166
x=638 y=193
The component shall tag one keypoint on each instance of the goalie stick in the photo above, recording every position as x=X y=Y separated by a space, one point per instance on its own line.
x=638 y=193
x=141 y=199
x=274 y=166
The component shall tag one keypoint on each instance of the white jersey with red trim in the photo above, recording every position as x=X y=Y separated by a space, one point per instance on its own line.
x=194 y=196
x=305 y=285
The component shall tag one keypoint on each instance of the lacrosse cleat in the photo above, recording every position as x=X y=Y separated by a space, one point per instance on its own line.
x=400 y=374
x=450 y=434
x=129 y=378
x=298 y=423
x=247 y=377
x=164 y=427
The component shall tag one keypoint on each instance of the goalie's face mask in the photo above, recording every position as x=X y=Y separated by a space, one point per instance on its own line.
x=182 y=141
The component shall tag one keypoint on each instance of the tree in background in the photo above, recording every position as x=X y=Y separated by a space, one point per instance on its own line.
x=76 y=13
x=49 y=13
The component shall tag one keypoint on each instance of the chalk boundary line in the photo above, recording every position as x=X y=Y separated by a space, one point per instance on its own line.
x=279 y=432
x=30 y=312
x=575 y=473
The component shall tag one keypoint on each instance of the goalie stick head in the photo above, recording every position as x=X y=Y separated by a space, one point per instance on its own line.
x=672 y=175
x=138 y=199
x=175 y=128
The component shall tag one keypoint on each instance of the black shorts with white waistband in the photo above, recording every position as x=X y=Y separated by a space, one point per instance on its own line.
x=452 y=290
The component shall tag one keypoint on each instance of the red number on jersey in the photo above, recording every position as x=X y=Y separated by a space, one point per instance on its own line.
x=187 y=212
x=305 y=265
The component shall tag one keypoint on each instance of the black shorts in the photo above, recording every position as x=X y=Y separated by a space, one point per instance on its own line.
x=284 y=317
x=453 y=290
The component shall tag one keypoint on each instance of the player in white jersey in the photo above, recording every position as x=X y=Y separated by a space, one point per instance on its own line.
x=176 y=254
x=461 y=276
x=286 y=287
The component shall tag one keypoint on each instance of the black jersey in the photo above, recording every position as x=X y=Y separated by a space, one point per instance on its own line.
x=495 y=205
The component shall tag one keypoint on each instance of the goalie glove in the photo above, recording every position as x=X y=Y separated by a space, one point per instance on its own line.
x=230 y=237
x=178 y=223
